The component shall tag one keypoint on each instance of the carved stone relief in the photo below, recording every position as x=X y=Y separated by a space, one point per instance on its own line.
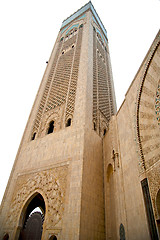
x=57 y=115
x=157 y=103
x=148 y=111
x=51 y=182
x=103 y=124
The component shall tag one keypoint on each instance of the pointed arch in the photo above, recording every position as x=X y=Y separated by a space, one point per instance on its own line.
x=53 y=237
x=74 y=27
x=36 y=200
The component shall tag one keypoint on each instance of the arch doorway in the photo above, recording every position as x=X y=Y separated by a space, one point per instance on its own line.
x=53 y=237
x=33 y=218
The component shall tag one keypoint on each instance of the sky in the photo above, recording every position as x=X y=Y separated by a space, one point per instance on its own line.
x=28 y=32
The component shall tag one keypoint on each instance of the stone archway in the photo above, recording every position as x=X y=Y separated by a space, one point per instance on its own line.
x=32 y=220
x=53 y=237
x=6 y=236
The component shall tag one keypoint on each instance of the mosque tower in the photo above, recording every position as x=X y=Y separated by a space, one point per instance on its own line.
x=59 y=164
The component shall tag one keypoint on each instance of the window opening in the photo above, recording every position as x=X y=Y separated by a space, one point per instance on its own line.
x=6 y=236
x=53 y=237
x=104 y=132
x=122 y=232
x=34 y=135
x=149 y=210
x=94 y=126
x=33 y=218
x=51 y=127
x=72 y=46
x=68 y=122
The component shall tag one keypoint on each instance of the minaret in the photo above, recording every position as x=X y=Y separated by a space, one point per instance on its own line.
x=59 y=164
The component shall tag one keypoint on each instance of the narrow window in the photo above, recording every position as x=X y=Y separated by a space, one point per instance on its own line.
x=68 y=122
x=34 y=135
x=149 y=209
x=53 y=237
x=51 y=127
x=104 y=132
x=72 y=46
x=6 y=236
x=122 y=232
x=94 y=126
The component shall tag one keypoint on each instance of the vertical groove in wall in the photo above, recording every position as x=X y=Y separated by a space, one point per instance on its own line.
x=74 y=78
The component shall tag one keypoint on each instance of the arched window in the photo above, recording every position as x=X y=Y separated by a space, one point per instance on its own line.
x=122 y=232
x=69 y=121
x=6 y=236
x=109 y=172
x=51 y=127
x=53 y=237
x=32 y=218
x=94 y=126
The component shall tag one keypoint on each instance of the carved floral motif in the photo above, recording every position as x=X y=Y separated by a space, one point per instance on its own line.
x=157 y=104
x=51 y=182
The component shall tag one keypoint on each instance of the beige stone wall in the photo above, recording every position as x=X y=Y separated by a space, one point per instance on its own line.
x=134 y=135
x=38 y=159
x=115 y=206
x=148 y=123
x=92 y=204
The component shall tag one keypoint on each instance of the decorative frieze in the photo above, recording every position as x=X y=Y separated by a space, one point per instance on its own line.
x=51 y=182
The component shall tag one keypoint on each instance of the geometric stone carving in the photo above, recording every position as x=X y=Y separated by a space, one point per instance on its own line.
x=52 y=183
x=148 y=111
x=157 y=104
